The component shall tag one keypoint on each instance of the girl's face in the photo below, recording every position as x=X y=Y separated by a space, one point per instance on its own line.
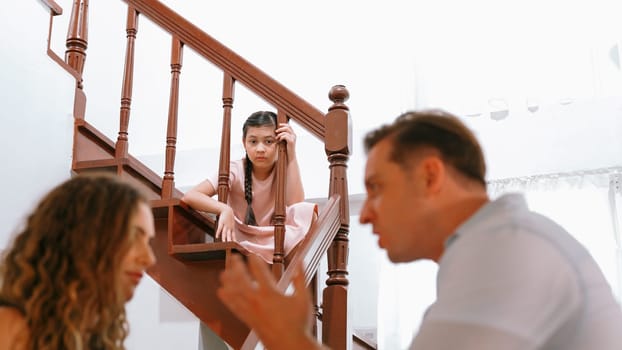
x=260 y=145
x=139 y=255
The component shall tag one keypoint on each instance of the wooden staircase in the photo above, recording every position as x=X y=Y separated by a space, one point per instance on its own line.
x=189 y=261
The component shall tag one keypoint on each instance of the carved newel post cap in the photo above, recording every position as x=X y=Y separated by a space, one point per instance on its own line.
x=338 y=94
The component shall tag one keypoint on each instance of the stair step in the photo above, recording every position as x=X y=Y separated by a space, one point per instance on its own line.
x=94 y=151
x=206 y=251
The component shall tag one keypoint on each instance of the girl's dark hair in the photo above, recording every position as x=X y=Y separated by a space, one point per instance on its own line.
x=257 y=119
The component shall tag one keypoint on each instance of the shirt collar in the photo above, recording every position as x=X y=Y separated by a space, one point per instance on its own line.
x=492 y=209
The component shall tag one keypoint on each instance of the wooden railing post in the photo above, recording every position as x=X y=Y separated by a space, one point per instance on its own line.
x=168 y=183
x=338 y=144
x=228 y=89
x=278 y=218
x=77 y=37
x=121 y=148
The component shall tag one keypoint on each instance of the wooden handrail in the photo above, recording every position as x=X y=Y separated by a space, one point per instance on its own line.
x=309 y=253
x=55 y=9
x=232 y=63
x=315 y=244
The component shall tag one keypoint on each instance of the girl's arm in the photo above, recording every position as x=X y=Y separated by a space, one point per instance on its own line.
x=294 y=192
x=200 y=198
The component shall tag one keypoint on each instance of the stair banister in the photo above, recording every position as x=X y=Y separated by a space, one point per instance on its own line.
x=168 y=183
x=230 y=62
x=77 y=37
x=278 y=218
x=228 y=89
x=55 y=9
x=309 y=253
x=122 y=147
x=330 y=128
x=335 y=298
x=228 y=92
x=79 y=96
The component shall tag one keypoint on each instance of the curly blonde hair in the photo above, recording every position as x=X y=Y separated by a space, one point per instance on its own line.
x=61 y=270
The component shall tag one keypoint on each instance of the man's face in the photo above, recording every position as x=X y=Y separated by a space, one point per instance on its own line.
x=397 y=205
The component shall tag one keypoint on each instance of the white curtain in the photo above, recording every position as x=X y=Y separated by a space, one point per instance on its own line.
x=586 y=204
x=405 y=292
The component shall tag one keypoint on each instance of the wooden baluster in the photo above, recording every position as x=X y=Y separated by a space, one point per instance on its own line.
x=77 y=37
x=278 y=218
x=228 y=88
x=121 y=149
x=168 y=183
x=338 y=144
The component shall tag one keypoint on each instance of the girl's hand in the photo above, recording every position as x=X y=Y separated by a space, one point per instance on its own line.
x=285 y=133
x=226 y=225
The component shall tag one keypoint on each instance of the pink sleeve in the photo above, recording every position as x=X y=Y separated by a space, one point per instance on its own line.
x=235 y=170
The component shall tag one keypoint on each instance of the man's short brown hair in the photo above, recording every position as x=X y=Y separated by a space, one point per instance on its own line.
x=435 y=129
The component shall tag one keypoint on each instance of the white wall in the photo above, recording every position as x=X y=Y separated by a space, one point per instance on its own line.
x=158 y=321
x=323 y=43
x=37 y=103
x=581 y=135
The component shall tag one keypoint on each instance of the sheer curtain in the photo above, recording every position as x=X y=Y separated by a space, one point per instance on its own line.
x=586 y=204
x=405 y=292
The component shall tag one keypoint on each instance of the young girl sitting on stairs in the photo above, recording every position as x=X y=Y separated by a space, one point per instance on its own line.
x=246 y=217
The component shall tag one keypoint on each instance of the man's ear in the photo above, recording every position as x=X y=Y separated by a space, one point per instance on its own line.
x=434 y=173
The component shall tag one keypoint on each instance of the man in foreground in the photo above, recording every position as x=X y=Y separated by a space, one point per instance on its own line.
x=508 y=278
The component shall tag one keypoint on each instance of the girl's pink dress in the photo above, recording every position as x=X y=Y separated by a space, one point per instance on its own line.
x=260 y=239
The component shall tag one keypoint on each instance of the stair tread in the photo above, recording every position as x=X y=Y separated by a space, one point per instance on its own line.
x=206 y=251
x=208 y=246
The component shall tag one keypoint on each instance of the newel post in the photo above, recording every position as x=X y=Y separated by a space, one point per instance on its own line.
x=338 y=145
x=77 y=37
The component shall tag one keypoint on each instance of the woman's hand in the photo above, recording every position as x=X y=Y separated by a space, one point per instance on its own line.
x=285 y=133
x=226 y=225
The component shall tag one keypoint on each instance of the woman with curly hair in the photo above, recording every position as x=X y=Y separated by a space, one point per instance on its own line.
x=66 y=278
